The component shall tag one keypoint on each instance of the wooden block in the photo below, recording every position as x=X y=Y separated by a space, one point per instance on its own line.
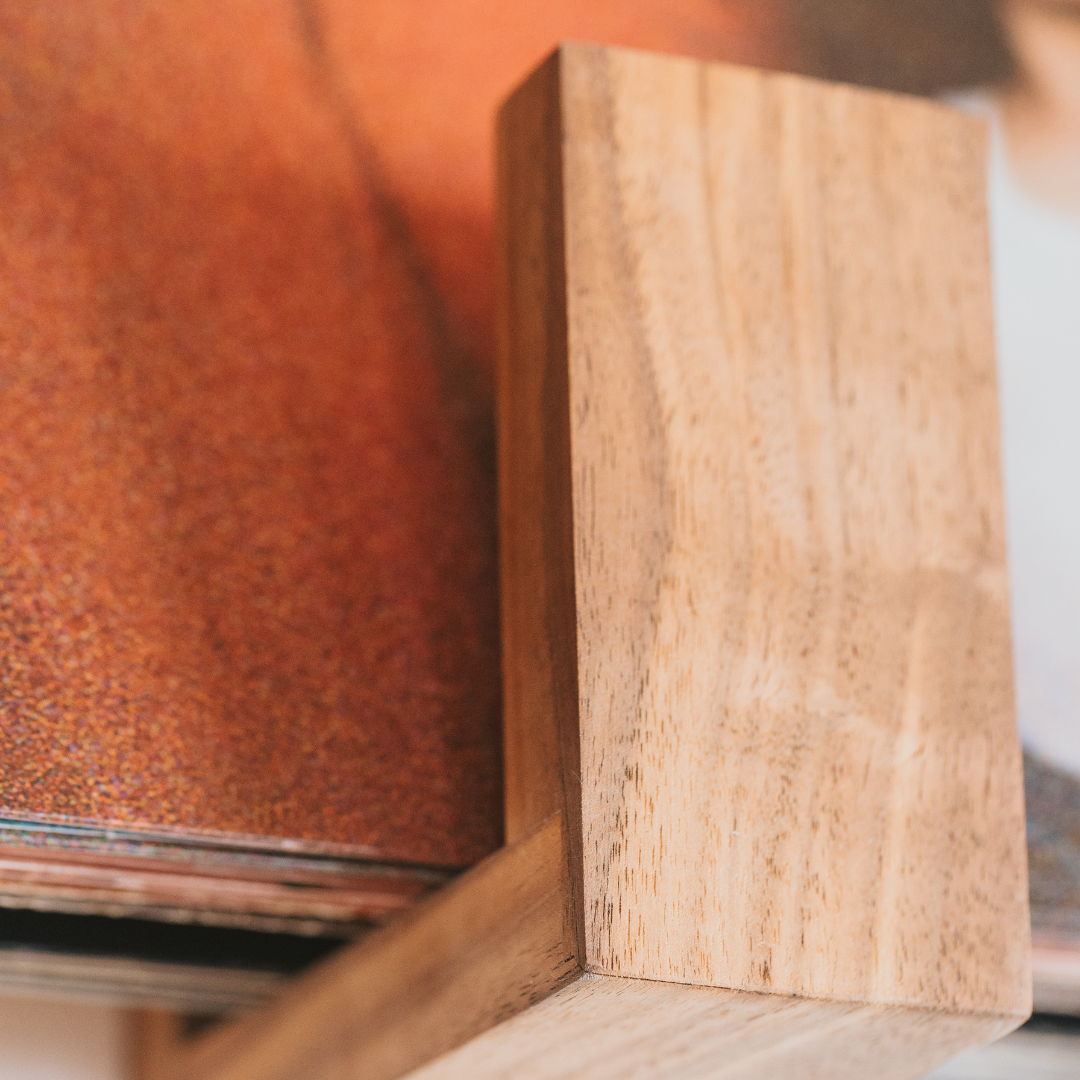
x=798 y=762
x=764 y=802
x=773 y=374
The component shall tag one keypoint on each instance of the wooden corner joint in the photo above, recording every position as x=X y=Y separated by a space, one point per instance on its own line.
x=764 y=804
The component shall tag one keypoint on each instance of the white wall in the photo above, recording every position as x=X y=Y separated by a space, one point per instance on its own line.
x=47 y=1040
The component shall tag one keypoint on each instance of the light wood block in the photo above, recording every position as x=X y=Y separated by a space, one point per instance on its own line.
x=764 y=804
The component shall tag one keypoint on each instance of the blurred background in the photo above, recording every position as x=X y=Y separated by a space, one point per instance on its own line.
x=346 y=147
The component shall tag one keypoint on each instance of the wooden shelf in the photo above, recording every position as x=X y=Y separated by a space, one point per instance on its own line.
x=764 y=794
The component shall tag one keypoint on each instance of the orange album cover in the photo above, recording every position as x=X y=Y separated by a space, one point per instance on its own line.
x=247 y=520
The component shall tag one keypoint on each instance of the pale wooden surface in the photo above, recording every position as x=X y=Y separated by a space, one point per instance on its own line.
x=610 y=1028
x=799 y=763
x=763 y=788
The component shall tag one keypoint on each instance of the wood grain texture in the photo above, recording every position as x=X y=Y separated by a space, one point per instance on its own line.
x=799 y=765
x=610 y=1028
x=541 y=743
x=763 y=783
x=488 y=946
